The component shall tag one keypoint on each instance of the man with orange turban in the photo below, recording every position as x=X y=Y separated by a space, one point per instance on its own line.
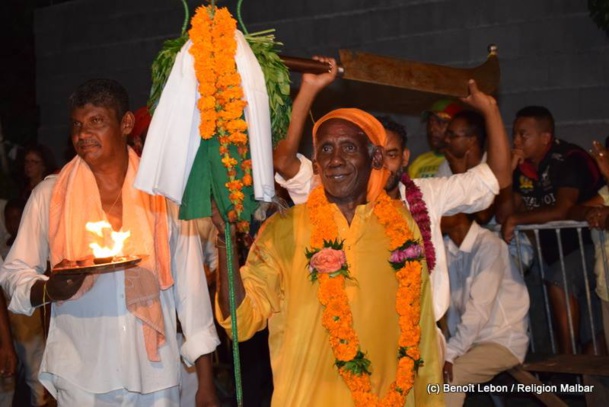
x=327 y=278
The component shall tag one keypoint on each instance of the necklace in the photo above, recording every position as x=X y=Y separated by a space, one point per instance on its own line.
x=328 y=266
x=120 y=192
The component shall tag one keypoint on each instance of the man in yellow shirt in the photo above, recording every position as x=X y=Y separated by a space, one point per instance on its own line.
x=436 y=119
x=320 y=277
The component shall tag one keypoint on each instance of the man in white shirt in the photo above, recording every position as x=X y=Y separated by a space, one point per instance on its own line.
x=469 y=192
x=112 y=336
x=489 y=302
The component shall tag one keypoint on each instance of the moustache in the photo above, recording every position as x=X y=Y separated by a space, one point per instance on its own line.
x=86 y=142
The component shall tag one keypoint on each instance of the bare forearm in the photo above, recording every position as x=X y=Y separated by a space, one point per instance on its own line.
x=37 y=293
x=504 y=204
x=222 y=278
x=499 y=157
x=540 y=216
x=5 y=327
x=285 y=161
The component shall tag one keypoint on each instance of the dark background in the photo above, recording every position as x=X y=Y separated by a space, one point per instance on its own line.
x=551 y=53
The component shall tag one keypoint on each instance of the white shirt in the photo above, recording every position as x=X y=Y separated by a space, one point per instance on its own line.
x=470 y=192
x=445 y=171
x=94 y=342
x=489 y=301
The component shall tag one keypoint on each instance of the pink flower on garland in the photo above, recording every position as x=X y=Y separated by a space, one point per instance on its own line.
x=327 y=261
x=413 y=251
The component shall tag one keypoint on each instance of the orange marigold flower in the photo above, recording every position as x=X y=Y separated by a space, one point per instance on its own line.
x=236 y=196
x=247 y=180
x=234 y=185
x=246 y=164
x=229 y=162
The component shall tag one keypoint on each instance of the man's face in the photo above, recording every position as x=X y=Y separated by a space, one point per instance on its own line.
x=530 y=138
x=436 y=127
x=342 y=160
x=396 y=159
x=458 y=139
x=98 y=134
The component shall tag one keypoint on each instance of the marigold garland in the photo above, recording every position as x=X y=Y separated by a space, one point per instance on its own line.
x=352 y=364
x=221 y=101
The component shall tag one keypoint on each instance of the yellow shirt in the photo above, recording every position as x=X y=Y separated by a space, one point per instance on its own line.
x=278 y=290
x=426 y=165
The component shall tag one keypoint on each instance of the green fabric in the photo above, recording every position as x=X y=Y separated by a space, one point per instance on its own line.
x=207 y=179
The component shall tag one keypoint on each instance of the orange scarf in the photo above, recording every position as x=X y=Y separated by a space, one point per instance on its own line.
x=374 y=131
x=75 y=200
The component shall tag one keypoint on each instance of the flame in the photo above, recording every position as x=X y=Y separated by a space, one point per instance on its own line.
x=117 y=237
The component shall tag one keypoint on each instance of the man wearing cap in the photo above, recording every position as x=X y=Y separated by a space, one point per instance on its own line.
x=320 y=278
x=437 y=118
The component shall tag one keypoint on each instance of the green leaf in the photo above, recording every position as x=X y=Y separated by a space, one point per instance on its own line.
x=161 y=68
x=277 y=80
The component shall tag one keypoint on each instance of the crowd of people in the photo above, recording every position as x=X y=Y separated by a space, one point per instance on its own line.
x=381 y=280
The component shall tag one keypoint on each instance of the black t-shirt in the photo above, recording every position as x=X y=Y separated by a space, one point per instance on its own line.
x=565 y=165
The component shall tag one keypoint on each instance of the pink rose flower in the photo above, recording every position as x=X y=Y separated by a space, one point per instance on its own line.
x=397 y=256
x=328 y=260
x=411 y=252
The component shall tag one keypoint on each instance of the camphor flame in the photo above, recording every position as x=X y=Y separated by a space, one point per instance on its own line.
x=117 y=237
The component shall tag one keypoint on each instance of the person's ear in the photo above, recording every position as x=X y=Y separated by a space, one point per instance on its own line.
x=405 y=157
x=127 y=123
x=315 y=167
x=377 y=158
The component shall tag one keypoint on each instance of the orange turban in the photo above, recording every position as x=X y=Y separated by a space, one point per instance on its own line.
x=376 y=134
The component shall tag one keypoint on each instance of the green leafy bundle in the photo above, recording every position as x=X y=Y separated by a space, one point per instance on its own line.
x=277 y=79
x=161 y=68
x=276 y=76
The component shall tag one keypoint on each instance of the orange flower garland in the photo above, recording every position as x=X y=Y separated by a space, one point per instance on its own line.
x=221 y=101
x=337 y=318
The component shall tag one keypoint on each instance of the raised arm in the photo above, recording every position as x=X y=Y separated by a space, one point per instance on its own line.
x=285 y=161
x=566 y=198
x=499 y=159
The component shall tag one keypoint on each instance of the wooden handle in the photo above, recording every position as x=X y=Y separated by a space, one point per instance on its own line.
x=304 y=65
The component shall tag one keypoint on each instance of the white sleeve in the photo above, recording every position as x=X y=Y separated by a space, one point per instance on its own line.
x=193 y=305
x=444 y=170
x=487 y=270
x=299 y=186
x=27 y=260
x=469 y=192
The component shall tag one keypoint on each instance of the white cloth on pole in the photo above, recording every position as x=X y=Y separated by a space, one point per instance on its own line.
x=173 y=137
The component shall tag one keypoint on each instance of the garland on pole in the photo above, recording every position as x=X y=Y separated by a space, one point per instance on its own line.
x=221 y=101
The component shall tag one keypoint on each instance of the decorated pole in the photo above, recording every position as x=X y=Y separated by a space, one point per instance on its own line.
x=213 y=128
